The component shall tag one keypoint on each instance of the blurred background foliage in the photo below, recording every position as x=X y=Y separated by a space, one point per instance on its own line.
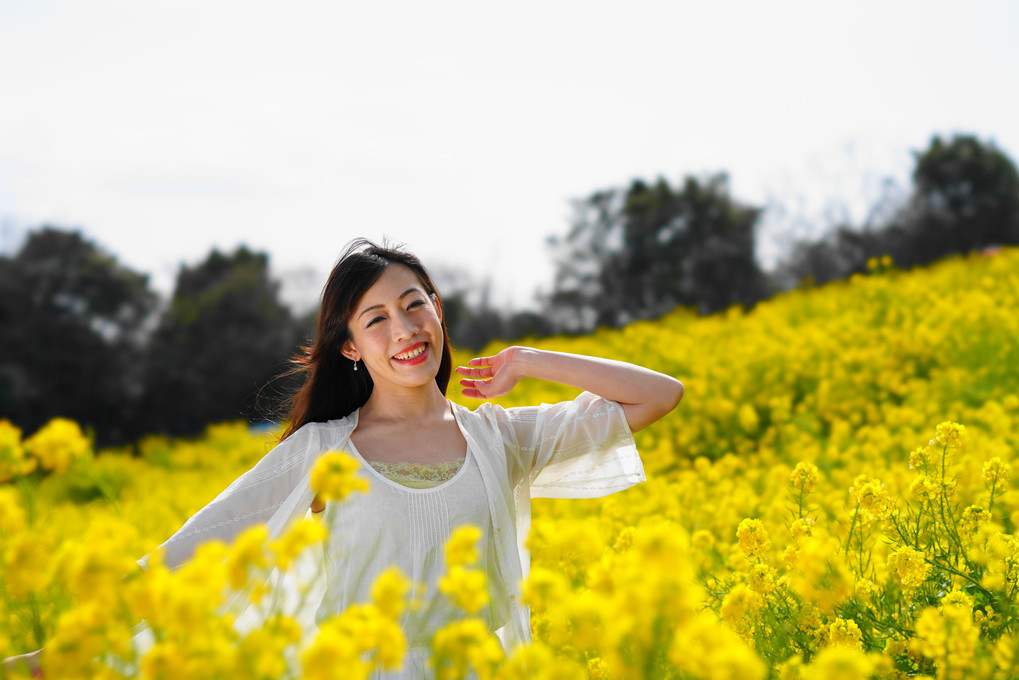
x=84 y=337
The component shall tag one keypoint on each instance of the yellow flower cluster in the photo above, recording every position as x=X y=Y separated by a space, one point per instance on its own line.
x=804 y=477
x=58 y=444
x=334 y=476
x=464 y=585
x=13 y=462
x=53 y=448
x=832 y=499
x=753 y=539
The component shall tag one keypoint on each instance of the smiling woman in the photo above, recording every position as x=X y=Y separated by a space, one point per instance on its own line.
x=375 y=386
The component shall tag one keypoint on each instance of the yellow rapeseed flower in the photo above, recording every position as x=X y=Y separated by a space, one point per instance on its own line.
x=804 y=477
x=972 y=519
x=463 y=645
x=909 y=568
x=707 y=649
x=818 y=573
x=165 y=659
x=335 y=476
x=894 y=647
x=761 y=579
x=462 y=546
x=949 y=637
x=28 y=563
x=844 y=632
x=801 y=528
x=465 y=587
x=924 y=459
x=923 y=489
x=871 y=495
x=305 y=532
x=57 y=444
x=83 y=633
x=753 y=539
x=597 y=669
x=996 y=473
x=528 y=662
x=361 y=632
x=265 y=648
x=13 y=462
x=957 y=598
x=1005 y=654
x=624 y=540
x=839 y=663
x=703 y=539
x=390 y=591
x=583 y=623
x=245 y=553
x=12 y=516
x=333 y=655
x=739 y=603
x=867 y=591
x=950 y=435
x=986 y=618
x=93 y=568
x=544 y=587
x=748 y=419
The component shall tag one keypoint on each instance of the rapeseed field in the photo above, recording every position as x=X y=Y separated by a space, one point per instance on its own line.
x=831 y=499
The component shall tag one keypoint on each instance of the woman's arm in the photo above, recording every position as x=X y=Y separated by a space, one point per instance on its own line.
x=19 y=664
x=645 y=395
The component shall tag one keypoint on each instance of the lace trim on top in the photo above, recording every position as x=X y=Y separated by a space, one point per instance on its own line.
x=419 y=475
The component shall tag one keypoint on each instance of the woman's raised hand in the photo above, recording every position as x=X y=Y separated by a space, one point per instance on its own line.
x=490 y=377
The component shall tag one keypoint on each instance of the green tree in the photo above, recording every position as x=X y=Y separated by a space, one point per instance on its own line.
x=224 y=336
x=639 y=253
x=72 y=325
x=965 y=197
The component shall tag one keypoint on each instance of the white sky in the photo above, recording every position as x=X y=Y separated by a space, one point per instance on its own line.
x=463 y=129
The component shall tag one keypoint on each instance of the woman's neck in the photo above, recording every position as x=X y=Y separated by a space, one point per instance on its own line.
x=394 y=405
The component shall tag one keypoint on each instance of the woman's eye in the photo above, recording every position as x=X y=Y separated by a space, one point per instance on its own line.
x=372 y=322
x=416 y=303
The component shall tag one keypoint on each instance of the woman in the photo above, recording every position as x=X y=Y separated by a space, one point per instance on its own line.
x=375 y=384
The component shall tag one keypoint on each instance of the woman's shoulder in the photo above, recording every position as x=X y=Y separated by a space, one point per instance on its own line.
x=324 y=430
x=480 y=411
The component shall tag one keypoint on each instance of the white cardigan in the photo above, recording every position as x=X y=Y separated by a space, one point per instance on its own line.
x=574 y=449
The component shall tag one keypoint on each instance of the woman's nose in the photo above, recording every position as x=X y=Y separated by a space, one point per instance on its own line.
x=404 y=326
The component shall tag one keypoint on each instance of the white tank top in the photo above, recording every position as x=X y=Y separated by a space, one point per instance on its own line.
x=393 y=524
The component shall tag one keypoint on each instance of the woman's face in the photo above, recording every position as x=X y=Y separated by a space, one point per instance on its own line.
x=396 y=330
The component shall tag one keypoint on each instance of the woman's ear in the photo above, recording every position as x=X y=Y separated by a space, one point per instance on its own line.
x=348 y=351
x=438 y=305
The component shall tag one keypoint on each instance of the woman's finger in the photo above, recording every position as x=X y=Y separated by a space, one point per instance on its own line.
x=473 y=393
x=475 y=372
x=477 y=389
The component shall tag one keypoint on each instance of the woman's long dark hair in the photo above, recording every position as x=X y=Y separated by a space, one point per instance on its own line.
x=332 y=388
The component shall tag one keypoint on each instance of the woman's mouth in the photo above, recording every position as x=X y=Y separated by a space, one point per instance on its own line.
x=415 y=354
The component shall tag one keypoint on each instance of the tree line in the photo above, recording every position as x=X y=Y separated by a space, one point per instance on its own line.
x=638 y=252
x=83 y=336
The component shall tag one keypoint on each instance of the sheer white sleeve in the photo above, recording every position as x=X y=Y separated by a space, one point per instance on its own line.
x=574 y=449
x=274 y=492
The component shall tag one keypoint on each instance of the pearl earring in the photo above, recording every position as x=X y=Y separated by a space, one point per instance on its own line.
x=355 y=364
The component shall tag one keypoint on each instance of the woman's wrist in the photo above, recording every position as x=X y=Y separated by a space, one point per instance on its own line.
x=525 y=362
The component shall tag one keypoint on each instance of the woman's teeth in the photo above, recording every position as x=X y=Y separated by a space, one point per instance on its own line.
x=411 y=354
